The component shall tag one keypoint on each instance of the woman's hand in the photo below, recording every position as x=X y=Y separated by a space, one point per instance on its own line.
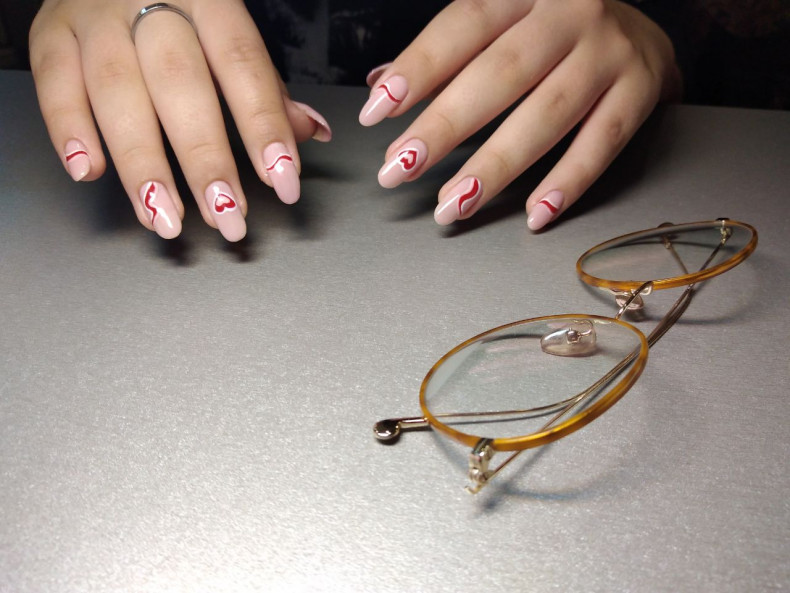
x=598 y=63
x=86 y=63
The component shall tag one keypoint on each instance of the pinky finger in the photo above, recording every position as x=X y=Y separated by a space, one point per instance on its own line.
x=56 y=67
x=603 y=134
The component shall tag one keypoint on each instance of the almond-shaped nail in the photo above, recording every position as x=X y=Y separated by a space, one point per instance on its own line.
x=226 y=211
x=384 y=99
x=323 y=132
x=78 y=161
x=160 y=209
x=281 y=170
x=462 y=198
x=404 y=165
x=546 y=210
x=376 y=73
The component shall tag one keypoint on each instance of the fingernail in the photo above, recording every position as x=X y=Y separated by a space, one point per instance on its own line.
x=403 y=165
x=159 y=208
x=546 y=210
x=281 y=170
x=225 y=211
x=78 y=161
x=323 y=133
x=464 y=195
x=383 y=100
x=374 y=74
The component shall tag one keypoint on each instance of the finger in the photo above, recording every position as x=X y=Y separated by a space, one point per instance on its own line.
x=249 y=83
x=606 y=130
x=128 y=123
x=538 y=123
x=507 y=69
x=56 y=68
x=431 y=59
x=306 y=122
x=182 y=91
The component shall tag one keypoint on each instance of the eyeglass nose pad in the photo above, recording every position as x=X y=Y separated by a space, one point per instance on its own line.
x=576 y=338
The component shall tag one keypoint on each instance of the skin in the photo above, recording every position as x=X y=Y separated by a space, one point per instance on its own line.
x=85 y=65
x=598 y=63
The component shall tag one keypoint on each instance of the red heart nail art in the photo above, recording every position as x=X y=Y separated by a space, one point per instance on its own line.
x=223 y=202
x=408 y=158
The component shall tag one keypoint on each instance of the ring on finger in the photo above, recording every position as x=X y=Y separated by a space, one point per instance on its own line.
x=160 y=6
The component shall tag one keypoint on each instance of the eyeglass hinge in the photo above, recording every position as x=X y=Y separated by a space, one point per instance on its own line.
x=479 y=459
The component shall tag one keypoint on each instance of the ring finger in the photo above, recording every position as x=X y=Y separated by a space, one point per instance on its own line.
x=128 y=123
x=183 y=94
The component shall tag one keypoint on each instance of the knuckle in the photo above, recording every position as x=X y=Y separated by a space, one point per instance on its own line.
x=443 y=126
x=593 y=11
x=44 y=62
x=204 y=156
x=113 y=70
x=509 y=61
x=615 y=132
x=244 y=52
x=427 y=60
x=261 y=115
x=558 y=104
x=479 y=10
x=175 y=65
x=135 y=157
x=502 y=164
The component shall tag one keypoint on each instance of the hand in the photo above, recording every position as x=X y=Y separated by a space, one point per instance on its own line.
x=598 y=63
x=87 y=64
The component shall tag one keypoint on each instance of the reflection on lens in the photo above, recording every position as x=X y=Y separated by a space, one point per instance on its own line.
x=671 y=256
x=506 y=384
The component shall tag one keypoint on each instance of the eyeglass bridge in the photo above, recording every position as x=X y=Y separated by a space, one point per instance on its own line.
x=631 y=300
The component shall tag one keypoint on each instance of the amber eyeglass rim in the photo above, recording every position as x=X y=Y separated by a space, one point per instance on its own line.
x=573 y=423
x=674 y=281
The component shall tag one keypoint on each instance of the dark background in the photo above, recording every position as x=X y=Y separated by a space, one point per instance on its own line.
x=731 y=52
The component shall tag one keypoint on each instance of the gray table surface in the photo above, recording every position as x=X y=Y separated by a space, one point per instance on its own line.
x=192 y=416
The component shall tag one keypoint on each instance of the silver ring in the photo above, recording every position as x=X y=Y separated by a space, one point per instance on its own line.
x=160 y=6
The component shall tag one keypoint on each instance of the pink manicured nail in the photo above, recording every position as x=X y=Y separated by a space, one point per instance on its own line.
x=78 y=162
x=546 y=210
x=281 y=170
x=383 y=100
x=159 y=208
x=374 y=74
x=225 y=211
x=324 y=132
x=463 y=197
x=404 y=165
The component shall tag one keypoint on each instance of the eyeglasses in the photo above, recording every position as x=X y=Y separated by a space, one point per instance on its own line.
x=531 y=382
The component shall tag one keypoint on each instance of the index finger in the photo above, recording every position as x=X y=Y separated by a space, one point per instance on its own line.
x=445 y=45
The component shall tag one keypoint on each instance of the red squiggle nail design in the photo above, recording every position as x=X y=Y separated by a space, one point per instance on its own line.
x=468 y=199
x=408 y=158
x=282 y=157
x=552 y=208
x=148 y=201
x=387 y=90
x=75 y=154
x=223 y=202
